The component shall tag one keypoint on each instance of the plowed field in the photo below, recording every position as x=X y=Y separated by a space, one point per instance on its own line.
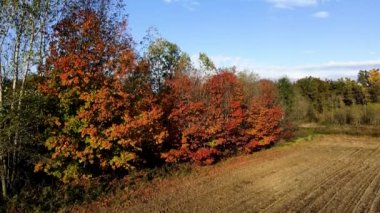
x=327 y=174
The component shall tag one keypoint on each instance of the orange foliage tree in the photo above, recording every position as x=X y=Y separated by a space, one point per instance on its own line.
x=211 y=119
x=263 y=117
x=184 y=112
x=110 y=117
x=206 y=116
x=106 y=117
x=224 y=111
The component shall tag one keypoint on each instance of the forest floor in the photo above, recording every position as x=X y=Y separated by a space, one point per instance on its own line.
x=329 y=173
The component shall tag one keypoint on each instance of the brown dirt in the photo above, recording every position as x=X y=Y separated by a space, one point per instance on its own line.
x=328 y=174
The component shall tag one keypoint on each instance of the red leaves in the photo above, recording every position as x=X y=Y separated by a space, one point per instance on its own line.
x=224 y=108
x=214 y=122
x=264 y=116
x=177 y=155
x=251 y=146
x=108 y=116
x=206 y=155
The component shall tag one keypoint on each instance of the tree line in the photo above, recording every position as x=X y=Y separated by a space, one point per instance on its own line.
x=113 y=111
x=78 y=101
x=334 y=102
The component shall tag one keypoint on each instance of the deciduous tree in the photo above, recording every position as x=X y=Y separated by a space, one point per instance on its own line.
x=106 y=117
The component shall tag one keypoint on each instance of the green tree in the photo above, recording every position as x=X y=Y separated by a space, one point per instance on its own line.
x=315 y=90
x=286 y=94
x=363 y=78
x=165 y=59
x=374 y=85
x=23 y=25
x=206 y=63
x=370 y=80
x=249 y=82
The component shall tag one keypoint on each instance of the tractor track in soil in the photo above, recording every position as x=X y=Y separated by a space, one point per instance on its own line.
x=331 y=173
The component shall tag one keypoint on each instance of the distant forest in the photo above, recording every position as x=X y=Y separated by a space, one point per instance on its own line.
x=80 y=104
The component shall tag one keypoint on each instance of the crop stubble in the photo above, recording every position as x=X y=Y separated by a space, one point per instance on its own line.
x=331 y=173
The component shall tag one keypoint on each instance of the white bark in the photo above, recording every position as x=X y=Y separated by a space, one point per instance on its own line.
x=3 y=165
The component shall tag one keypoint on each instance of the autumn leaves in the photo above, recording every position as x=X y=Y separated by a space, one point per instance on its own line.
x=110 y=116
x=216 y=122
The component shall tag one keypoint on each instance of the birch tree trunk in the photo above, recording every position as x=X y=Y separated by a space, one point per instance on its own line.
x=3 y=165
x=28 y=62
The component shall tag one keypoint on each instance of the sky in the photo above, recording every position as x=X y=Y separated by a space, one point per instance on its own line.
x=273 y=38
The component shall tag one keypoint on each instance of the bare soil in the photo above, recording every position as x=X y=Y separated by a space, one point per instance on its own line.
x=332 y=173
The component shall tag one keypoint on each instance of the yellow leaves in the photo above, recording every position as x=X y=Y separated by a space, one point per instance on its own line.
x=71 y=173
x=374 y=76
x=92 y=142
x=123 y=160
x=213 y=143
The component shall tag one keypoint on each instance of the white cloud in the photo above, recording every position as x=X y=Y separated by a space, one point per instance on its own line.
x=321 y=14
x=289 y=4
x=330 y=70
x=293 y=3
x=188 y=4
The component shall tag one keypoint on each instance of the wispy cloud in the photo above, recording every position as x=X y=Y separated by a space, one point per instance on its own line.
x=289 y=4
x=321 y=14
x=188 y=4
x=292 y=3
x=330 y=70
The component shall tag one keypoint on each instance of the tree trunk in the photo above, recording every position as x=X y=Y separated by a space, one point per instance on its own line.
x=16 y=58
x=43 y=23
x=16 y=61
x=3 y=171
x=19 y=103
x=3 y=166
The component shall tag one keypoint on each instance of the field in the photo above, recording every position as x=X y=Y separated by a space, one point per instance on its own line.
x=332 y=173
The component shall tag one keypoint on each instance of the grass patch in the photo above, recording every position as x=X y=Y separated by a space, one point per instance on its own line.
x=373 y=131
x=300 y=135
x=308 y=132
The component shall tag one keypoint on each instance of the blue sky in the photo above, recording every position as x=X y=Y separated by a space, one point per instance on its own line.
x=274 y=38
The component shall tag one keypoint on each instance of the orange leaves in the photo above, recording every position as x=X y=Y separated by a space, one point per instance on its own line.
x=106 y=115
x=109 y=118
x=264 y=123
x=206 y=155
x=224 y=108
x=38 y=167
x=267 y=93
x=212 y=120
